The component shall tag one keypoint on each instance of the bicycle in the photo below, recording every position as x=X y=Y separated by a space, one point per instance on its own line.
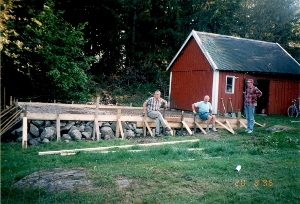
x=293 y=111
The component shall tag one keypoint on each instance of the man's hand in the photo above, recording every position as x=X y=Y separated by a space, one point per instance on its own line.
x=194 y=112
x=144 y=113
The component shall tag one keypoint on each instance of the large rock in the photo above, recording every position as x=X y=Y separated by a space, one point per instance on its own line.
x=49 y=133
x=34 y=130
x=129 y=134
x=106 y=132
x=88 y=129
x=66 y=137
x=68 y=126
x=75 y=134
x=86 y=135
x=38 y=123
x=35 y=141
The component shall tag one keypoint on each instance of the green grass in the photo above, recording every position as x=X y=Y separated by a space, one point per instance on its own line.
x=170 y=174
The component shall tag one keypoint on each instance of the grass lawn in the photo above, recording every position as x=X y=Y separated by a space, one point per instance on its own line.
x=270 y=170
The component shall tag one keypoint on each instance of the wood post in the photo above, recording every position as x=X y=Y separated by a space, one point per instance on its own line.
x=117 y=126
x=58 y=128
x=24 y=133
x=121 y=128
x=144 y=125
x=96 y=124
x=238 y=124
x=182 y=123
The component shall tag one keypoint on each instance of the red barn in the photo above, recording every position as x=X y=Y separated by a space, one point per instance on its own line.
x=218 y=65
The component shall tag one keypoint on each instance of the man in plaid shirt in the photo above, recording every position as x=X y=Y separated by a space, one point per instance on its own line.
x=153 y=105
x=251 y=94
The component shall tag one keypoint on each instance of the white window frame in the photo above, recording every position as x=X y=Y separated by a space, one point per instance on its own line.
x=232 y=85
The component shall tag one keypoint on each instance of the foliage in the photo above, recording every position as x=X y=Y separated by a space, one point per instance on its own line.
x=133 y=41
x=48 y=55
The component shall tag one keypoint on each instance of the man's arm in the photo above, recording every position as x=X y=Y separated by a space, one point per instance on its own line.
x=193 y=107
x=144 y=107
x=258 y=93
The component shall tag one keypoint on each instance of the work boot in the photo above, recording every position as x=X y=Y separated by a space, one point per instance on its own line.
x=214 y=129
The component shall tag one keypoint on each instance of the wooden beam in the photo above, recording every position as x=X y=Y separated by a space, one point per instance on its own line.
x=204 y=132
x=24 y=133
x=58 y=136
x=117 y=126
x=121 y=129
x=172 y=133
x=187 y=127
x=259 y=124
x=149 y=129
x=224 y=126
x=144 y=125
x=243 y=124
x=229 y=126
x=111 y=147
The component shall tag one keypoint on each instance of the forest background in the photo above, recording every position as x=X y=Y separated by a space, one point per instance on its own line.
x=72 y=50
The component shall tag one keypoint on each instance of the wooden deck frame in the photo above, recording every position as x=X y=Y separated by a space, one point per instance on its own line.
x=141 y=121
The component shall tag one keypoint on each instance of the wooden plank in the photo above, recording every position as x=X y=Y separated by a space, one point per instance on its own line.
x=229 y=126
x=187 y=127
x=96 y=130
x=58 y=136
x=173 y=119
x=224 y=126
x=149 y=129
x=82 y=105
x=204 y=132
x=167 y=124
x=117 y=127
x=111 y=147
x=238 y=119
x=11 y=120
x=144 y=125
x=121 y=129
x=24 y=133
x=243 y=124
x=259 y=124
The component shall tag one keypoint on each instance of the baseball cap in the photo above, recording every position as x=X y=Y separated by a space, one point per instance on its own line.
x=250 y=80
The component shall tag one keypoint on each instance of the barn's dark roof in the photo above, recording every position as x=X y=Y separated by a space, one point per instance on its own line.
x=229 y=53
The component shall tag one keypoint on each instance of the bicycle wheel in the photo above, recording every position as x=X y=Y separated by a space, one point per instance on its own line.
x=292 y=111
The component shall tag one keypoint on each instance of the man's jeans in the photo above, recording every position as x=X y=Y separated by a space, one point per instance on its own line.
x=250 y=117
x=159 y=120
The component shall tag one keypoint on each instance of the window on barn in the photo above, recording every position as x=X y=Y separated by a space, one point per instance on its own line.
x=229 y=84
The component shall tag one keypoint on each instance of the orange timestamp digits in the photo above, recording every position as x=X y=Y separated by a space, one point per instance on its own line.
x=257 y=182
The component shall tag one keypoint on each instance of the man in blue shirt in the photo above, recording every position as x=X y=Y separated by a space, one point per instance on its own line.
x=205 y=113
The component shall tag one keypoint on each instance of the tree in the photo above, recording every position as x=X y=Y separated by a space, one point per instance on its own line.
x=49 y=54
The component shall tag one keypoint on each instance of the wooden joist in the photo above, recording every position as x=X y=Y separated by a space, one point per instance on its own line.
x=187 y=127
x=197 y=124
x=224 y=126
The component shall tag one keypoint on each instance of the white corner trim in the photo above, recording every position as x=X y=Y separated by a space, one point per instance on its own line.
x=170 y=88
x=215 y=91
